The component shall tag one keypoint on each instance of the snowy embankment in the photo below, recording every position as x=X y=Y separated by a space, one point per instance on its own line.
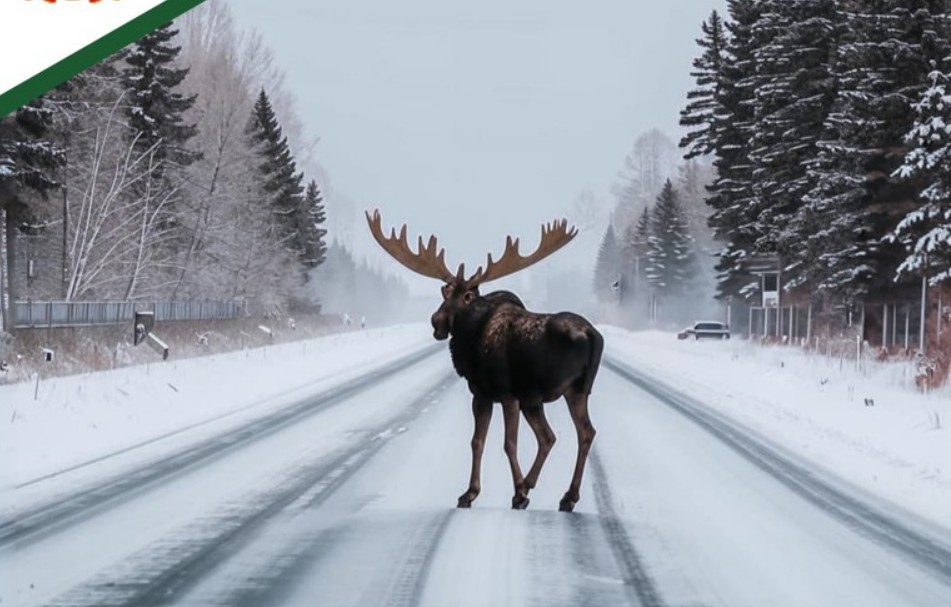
x=863 y=426
x=79 y=418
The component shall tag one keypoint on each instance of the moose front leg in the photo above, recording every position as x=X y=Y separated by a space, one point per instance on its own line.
x=482 y=413
x=510 y=411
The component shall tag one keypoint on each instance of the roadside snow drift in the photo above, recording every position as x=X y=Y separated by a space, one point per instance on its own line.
x=78 y=418
x=863 y=425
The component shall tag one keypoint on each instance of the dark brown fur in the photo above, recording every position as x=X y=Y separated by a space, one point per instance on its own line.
x=522 y=360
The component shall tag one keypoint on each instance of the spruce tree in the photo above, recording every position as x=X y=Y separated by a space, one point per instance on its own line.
x=154 y=107
x=632 y=252
x=883 y=62
x=793 y=40
x=28 y=161
x=671 y=260
x=642 y=233
x=626 y=254
x=925 y=232
x=313 y=216
x=281 y=184
x=27 y=158
x=641 y=245
x=732 y=196
x=607 y=268
x=703 y=103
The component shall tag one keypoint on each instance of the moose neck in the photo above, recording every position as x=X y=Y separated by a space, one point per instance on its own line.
x=469 y=325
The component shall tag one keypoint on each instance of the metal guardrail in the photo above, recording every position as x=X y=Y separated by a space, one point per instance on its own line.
x=46 y=314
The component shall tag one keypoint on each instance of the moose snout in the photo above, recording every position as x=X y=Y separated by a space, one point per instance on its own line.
x=440 y=326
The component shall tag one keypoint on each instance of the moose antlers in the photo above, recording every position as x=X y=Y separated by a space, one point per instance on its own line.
x=554 y=236
x=428 y=263
x=425 y=261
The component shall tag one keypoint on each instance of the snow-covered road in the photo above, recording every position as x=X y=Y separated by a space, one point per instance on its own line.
x=349 y=503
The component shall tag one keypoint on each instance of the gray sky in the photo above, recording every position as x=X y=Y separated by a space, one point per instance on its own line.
x=472 y=120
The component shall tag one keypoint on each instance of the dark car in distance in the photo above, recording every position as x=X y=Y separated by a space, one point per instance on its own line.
x=706 y=329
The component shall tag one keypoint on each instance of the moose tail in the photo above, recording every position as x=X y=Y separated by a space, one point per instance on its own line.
x=596 y=345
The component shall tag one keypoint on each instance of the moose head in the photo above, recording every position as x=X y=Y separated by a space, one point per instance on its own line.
x=460 y=291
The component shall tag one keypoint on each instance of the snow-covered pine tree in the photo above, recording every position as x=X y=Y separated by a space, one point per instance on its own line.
x=632 y=251
x=926 y=231
x=28 y=161
x=628 y=262
x=27 y=158
x=700 y=113
x=642 y=235
x=607 y=268
x=282 y=182
x=671 y=260
x=732 y=196
x=793 y=41
x=155 y=108
x=882 y=64
x=312 y=217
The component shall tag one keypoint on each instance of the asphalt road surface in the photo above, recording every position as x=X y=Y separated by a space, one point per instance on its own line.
x=347 y=498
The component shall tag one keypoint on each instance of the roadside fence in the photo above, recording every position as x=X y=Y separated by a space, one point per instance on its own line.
x=49 y=314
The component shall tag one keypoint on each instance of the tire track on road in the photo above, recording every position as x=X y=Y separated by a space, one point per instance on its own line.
x=411 y=584
x=47 y=518
x=637 y=580
x=161 y=573
x=927 y=553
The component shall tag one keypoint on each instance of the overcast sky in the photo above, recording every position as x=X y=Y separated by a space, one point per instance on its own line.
x=472 y=120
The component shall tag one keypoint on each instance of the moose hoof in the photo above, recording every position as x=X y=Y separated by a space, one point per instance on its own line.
x=566 y=505
x=520 y=502
x=465 y=500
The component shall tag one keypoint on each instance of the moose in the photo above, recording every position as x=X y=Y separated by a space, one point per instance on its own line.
x=508 y=354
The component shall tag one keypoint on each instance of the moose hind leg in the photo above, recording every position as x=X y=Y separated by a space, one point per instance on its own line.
x=510 y=410
x=535 y=416
x=482 y=413
x=578 y=408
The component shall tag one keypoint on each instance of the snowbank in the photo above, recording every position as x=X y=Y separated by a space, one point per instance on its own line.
x=863 y=425
x=78 y=418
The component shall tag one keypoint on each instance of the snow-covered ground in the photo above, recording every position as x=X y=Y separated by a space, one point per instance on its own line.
x=78 y=418
x=899 y=448
x=352 y=503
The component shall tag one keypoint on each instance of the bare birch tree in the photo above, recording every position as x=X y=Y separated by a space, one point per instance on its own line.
x=115 y=237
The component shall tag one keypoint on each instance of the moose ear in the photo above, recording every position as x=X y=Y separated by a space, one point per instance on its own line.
x=469 y=297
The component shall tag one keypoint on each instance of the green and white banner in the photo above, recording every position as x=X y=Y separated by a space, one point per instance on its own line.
x=45 y=42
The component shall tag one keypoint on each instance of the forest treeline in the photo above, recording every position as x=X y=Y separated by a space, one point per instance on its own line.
x=818 y=145
x=174 y=169
x=655 y=259
x=828 y=123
